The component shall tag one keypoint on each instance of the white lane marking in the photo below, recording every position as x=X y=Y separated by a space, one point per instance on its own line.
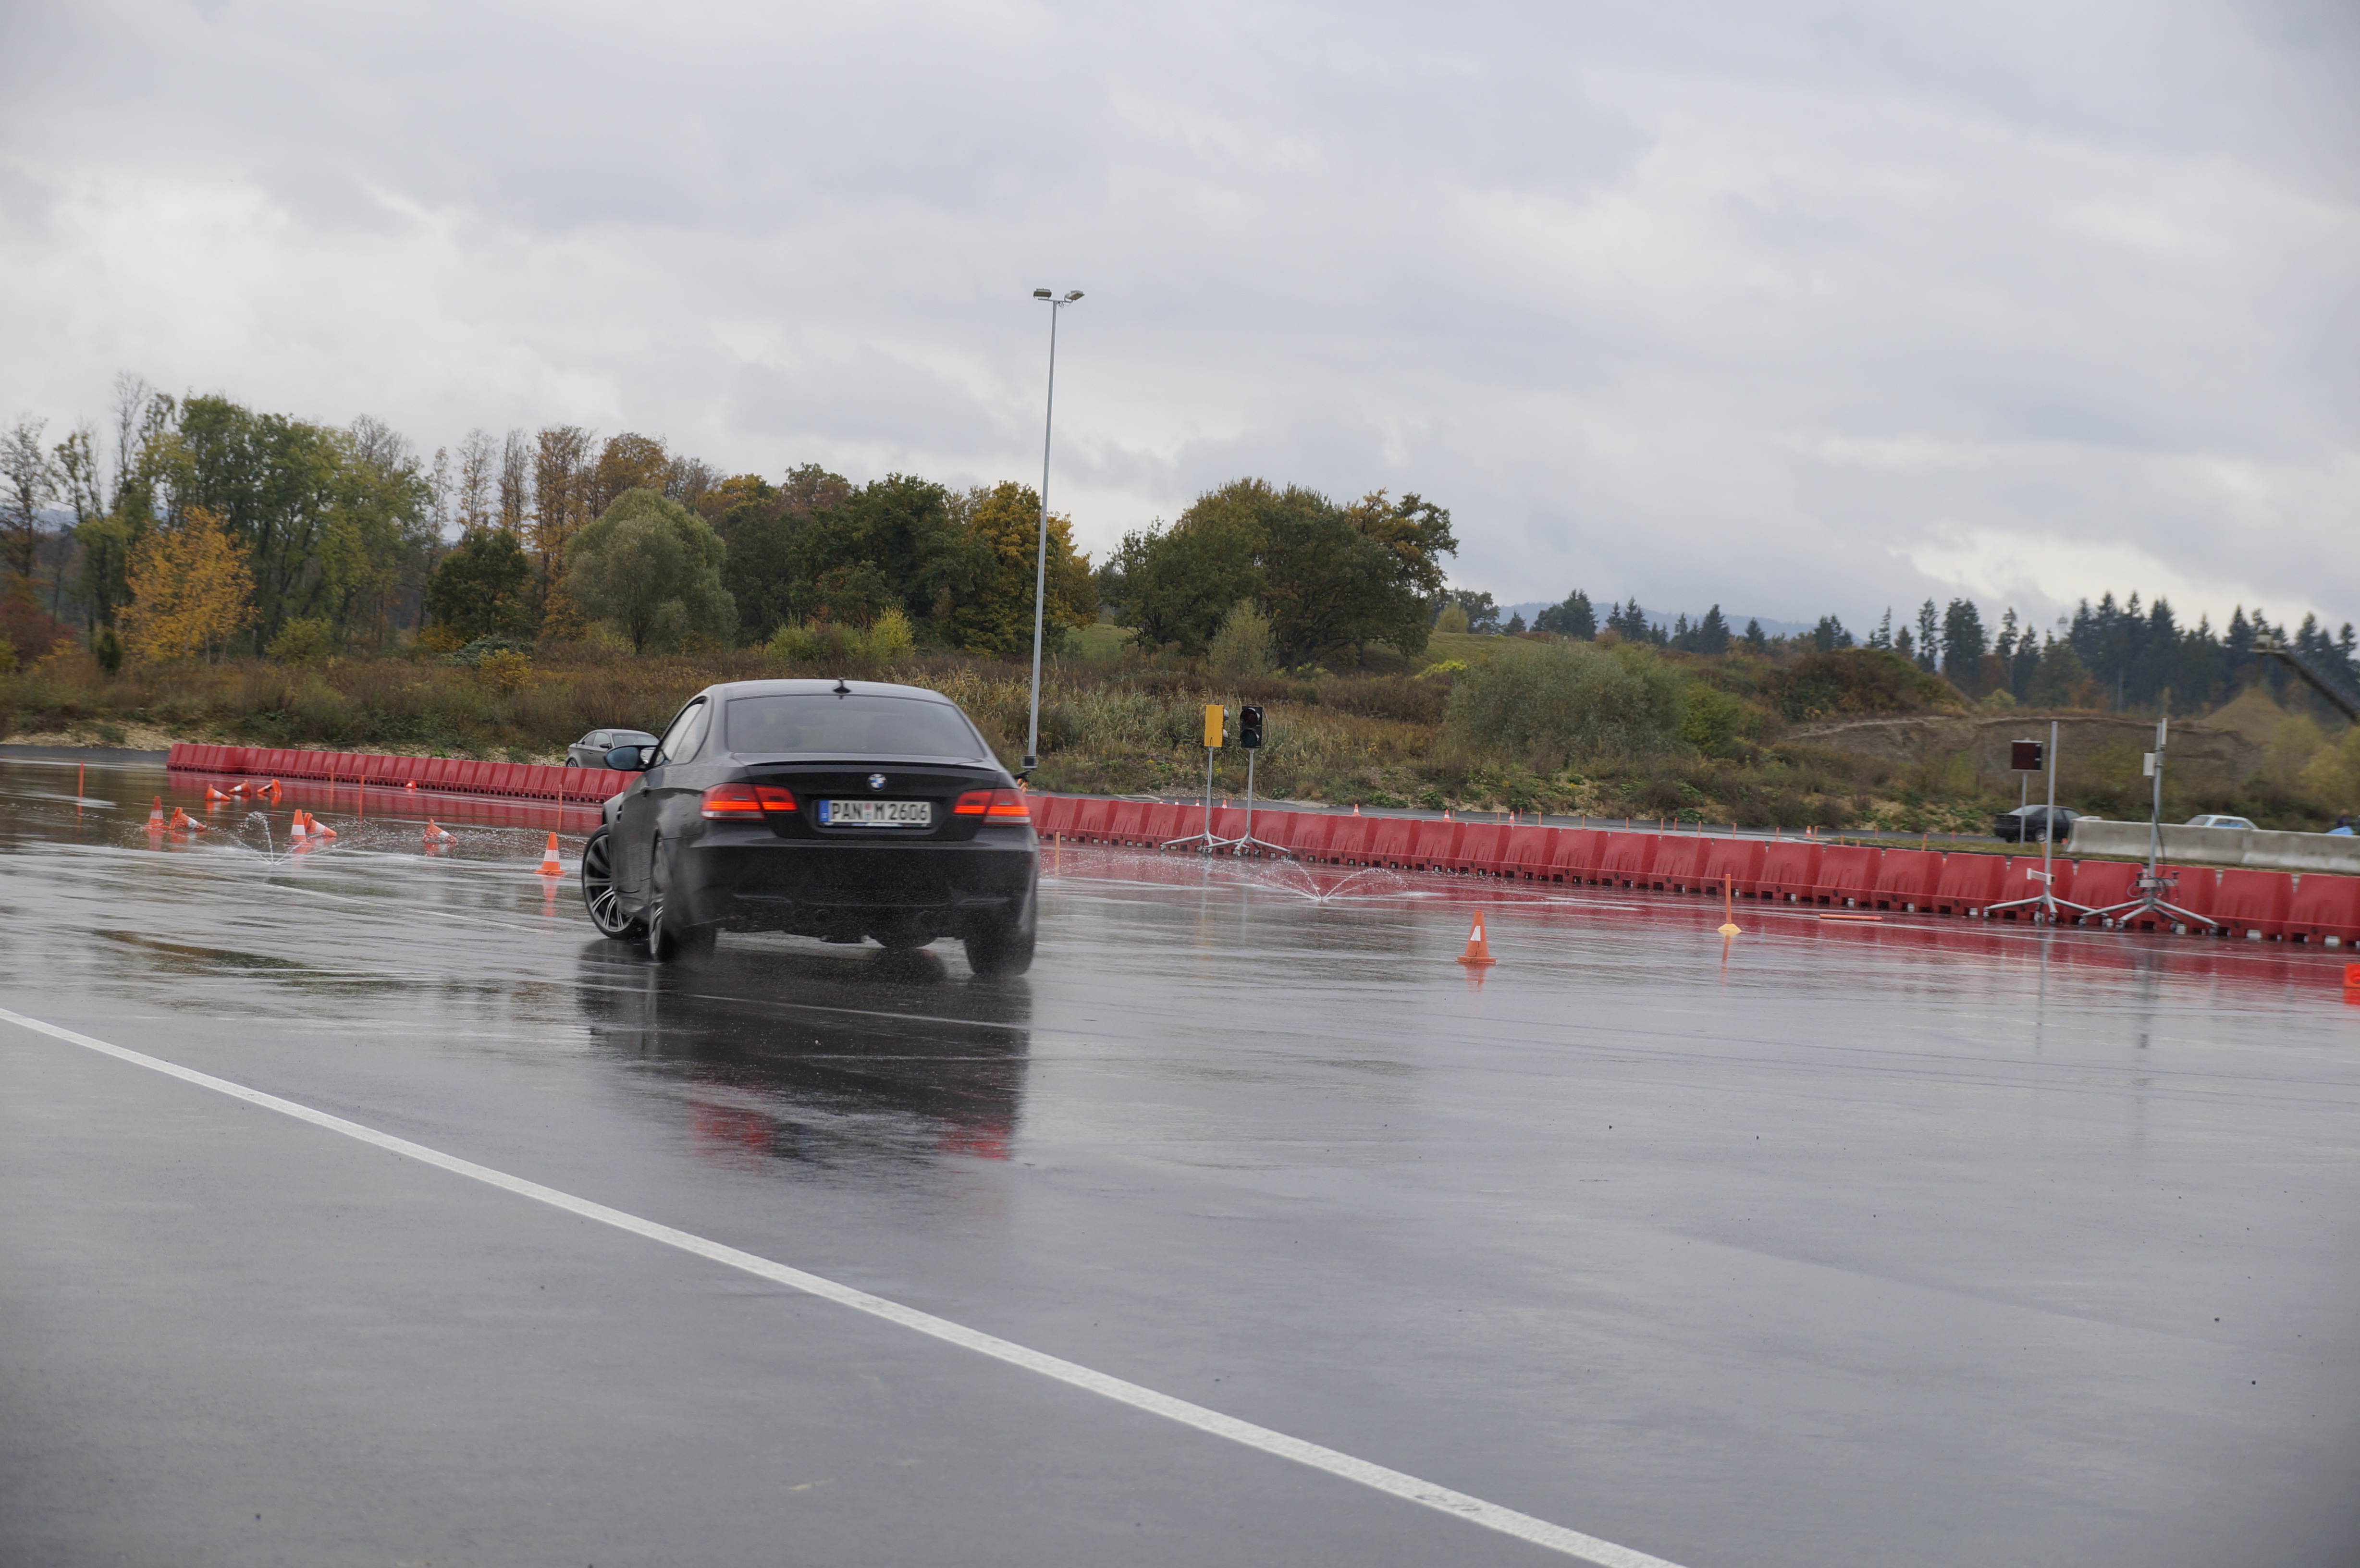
x=1459 y=1505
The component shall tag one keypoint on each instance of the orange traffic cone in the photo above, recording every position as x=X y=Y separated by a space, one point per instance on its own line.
x=1478 y=950
x=238 y=788
x=271 y=790
x=214 y=797
x=549 y=866
x=411 y=785
x=318 y=829
x=439 y=835
x=183 y=822
x=298 y=830
x=156 y=816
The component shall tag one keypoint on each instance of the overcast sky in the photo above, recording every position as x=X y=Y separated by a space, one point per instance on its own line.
x=1793 y=305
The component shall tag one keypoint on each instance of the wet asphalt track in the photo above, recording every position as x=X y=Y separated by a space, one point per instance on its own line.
x=1920 y=1241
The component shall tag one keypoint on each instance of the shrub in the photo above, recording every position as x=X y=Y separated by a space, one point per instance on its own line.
x=1241 y=649
x=505 y=671
x=1566 y=701
x=305 y=641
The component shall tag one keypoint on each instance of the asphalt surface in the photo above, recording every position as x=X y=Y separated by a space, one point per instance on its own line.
x=1832 y=1244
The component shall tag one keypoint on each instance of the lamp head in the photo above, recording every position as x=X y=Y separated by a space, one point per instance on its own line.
x=1074 y=296
x=1042 y=294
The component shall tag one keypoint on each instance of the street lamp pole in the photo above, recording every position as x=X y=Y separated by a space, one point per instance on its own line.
x=1041 y=554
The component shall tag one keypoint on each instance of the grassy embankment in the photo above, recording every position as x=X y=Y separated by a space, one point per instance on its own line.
x=1112 y=721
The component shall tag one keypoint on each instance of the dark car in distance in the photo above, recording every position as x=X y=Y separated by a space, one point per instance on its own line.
x=846 y=811
x=2029 y=824
x=591 y=750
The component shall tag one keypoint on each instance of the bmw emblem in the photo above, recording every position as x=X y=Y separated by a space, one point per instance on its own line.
x=877 y=781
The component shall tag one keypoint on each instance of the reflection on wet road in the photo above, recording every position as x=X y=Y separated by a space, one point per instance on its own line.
x=1919 y=1241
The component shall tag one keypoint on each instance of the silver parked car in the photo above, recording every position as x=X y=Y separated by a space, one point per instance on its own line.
x=2215 y=820
x=591 y=750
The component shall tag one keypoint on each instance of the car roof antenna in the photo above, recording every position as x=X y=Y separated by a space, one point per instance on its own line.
x=841 y=688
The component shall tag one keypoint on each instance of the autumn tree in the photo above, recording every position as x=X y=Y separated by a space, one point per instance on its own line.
x=991 y=613
x=652 y=568
x=190 y=590
x=561 y=497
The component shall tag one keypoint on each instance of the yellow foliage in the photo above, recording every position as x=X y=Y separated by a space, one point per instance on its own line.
x=191 y=590
x=504 y=671
x=2332 y=776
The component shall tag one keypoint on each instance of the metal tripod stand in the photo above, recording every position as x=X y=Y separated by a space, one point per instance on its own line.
x=2045 y=904
x=1248 y=844
x=1202 y=842
x=2152 y=883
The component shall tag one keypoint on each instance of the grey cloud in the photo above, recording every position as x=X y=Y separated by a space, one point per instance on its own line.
x=1761 y=302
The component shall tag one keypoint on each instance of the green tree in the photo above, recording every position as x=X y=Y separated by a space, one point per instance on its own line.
x=652 y=568
x=483 y=588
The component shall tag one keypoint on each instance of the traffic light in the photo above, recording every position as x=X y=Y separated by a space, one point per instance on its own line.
x=1214 y=714
x=2023 y=756
x=1249 y=727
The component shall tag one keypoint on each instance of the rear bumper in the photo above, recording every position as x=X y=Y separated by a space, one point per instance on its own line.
x=756 y=881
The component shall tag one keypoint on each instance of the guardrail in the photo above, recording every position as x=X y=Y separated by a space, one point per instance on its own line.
x=2318 y=906
x=2257 y=849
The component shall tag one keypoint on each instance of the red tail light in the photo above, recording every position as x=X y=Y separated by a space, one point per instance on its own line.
x=745 y=803
x=993 y=805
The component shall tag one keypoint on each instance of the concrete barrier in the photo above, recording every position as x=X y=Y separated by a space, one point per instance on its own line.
x=2257 y=850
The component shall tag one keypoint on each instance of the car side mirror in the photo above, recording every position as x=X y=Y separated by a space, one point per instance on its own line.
x=630 y=758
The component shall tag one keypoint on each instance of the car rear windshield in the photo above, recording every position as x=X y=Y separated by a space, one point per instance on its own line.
x=822 y=723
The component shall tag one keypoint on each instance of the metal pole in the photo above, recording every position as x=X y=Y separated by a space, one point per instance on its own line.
x=2048 y=833
x=1208 y=795
x=1247 y=842
x=2155 y=816
x=1040 y=558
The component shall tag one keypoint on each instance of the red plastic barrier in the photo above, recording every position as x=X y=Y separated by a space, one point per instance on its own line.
x=1573 y=856
x=1396 y=837
x=1679 y=862
x=2022 y=880
x=2103 y=884
x=1847 y=875
x=2250 y=903
x=1050 y=814
x=1228 y=821
x=1168 y=819
x=1628 y=859
x=1906 y=879
x=1349 y=840
x=1093 y=820
x=1311 y=833
x=1483 y=847
x=1791 y=869
x=1739 y=859
x=1437 y=845
x=1527 y=854
x=1125 y=820
x=2325 y=908
x=1969 y=882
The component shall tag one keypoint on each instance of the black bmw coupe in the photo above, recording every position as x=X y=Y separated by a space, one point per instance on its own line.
x=847 y=810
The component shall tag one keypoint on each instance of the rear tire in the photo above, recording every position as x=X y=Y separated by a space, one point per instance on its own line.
x=598 y=894
x=1003 y=948
x=668 y=936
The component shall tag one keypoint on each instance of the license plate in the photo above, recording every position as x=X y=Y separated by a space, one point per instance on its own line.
x=877 y=813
